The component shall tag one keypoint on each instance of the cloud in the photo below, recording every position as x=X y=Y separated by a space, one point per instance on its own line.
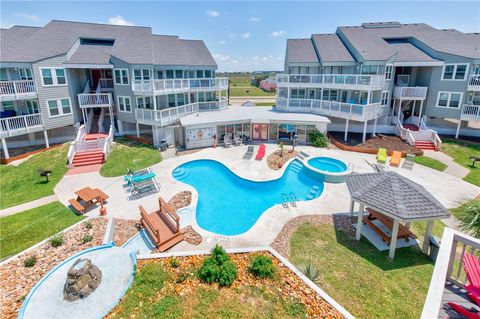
x=222 y=42
x=29 y=17
x=246 y=35
x=231 y=35
x=213 y=13
x=248 y=63
x=119 y=20
x=220 y=57
x=254 y=19
x=279 y=33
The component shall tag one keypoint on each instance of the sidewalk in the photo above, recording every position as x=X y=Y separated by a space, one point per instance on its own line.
x=453 y=168
x=33 y=204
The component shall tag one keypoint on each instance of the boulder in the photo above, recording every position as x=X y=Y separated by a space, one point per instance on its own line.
x=83 y=278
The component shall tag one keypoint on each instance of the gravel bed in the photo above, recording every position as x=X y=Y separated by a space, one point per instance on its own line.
x=124 y=230
x=276 y=162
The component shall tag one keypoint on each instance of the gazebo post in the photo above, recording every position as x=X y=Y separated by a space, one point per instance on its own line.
x=360 y=222
x=426 y=240
x=393 y=242
x=352 y=206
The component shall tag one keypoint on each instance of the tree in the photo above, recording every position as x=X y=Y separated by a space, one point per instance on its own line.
x=469 y=216
x=281 y=148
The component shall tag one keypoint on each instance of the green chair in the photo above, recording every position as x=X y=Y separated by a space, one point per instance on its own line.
x=382 y=155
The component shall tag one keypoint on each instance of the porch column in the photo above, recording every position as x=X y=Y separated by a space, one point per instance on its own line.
x=368 y=97
x=364 y=136
x=138 y=129
x=5 y=149
x=358 y=235
x=352 y=207
x=120 y=127
x=420 y=113
x=426 y=239
x=375 y=127
x=393 y=242
x=154 y=102
x=46 y=139
x=399 y=109
x=346 y=130
x=458 y=128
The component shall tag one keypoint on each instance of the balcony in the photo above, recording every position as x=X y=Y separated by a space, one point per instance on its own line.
x=17 y=90
x=356 y=112
x=470 y=112
x=86 y=100
x=171 y=115
x=18 y=125
x=173 y=86
x=410 y=93
x=332 y=81
x=474 y=82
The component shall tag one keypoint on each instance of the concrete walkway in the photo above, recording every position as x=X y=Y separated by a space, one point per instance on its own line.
x=453 y=168
x=33 y=204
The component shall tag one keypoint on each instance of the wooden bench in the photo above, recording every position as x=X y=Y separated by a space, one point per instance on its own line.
x=163 y=225
x=78 y=207
x=403 y=232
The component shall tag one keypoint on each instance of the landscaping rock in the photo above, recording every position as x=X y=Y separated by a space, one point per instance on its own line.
x=180 y=200
x=83 y=278
x=276 y=162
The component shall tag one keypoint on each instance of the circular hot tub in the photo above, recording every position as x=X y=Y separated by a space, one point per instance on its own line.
x=332 y=169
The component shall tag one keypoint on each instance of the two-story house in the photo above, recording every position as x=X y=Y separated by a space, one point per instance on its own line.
x=386 y=77
x=84 y=81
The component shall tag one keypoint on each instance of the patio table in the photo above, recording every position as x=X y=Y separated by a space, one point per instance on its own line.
x=91 y=196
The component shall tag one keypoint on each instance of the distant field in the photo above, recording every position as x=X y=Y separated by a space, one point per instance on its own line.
x=240 y=86
x=240 y=81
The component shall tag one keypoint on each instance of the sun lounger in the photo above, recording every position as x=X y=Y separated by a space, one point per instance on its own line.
x=395 y=158
x=382 y=155
x=144 y=188
x=409 y=161
x=260 y=153
x=249 y=153
x=141 y=178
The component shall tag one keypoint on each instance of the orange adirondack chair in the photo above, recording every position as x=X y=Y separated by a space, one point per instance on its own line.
x=396 y=158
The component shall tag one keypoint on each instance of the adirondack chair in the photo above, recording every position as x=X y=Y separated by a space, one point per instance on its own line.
x=382 y=155
x=396 y=158
x=471 y=264
x=464 y=312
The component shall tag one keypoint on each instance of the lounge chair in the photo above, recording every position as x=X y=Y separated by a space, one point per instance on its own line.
x=471 y=264
x=139 y=178
x=249 y=153
x=409 y=161
x=227 y=143
x=144 y=188
x=395 y=158
x=260 y=153
x=382 y=155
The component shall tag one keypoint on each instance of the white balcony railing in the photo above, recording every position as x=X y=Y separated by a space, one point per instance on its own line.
x=340 y=81
x=17 y=89
x=474 y=82
x=411 y=93
x=95 y=100
x=358 y=112
x=168 y=86
x=171 y=115
x=18 y=125
x=470 y=112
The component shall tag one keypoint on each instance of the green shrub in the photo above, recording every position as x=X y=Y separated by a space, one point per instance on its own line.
x=469 y=215
x=174 y=263
x=310 y=270
x=262 y=266
x=151 y=276
x=218 y=268
x=57 y=240
x=318 y=139
x=181 y=277
x=87 y=238
x=30 y=261
x=88 y=225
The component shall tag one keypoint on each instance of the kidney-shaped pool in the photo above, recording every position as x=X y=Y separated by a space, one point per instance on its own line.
x=230 y=205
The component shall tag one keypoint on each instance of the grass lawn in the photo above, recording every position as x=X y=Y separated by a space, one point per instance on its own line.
x=460 y=151
x=430 y=162
x=127 y=154
x=249 y=91
x=240 y=81
x=27 y=228
x=362 y=279
x=22 y=183
x=265 y=103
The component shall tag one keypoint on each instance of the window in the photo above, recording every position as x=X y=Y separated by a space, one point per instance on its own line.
x=330 y=95
x=180 y=99
x=191 y=74
x=141 y=74
x=59 y=107
x=32 y=107
x=121 y=76
x=25 y=74
x=145 y=102
x=124 y=104
x=298 y=94
x=449 y=99
x=171 y=100
x=53 y=76
x=178 y=74
x=8 y=106
x=208 y=73
x=369 y=69
x=388 y=72
x=199 y=74
x=169 y=74
x=454 y=72
x=385 y=98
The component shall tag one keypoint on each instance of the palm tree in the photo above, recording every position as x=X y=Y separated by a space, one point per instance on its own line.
x=469 y=216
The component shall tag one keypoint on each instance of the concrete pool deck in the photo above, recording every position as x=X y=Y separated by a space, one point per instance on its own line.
x=449 y=190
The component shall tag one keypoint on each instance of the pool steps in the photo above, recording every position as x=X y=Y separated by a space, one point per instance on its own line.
x=180 y=173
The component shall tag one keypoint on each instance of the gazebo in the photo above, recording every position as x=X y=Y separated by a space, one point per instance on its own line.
x=395 y=197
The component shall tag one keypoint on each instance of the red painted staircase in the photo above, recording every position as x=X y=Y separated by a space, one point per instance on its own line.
x=88 y=158
x=425 y=145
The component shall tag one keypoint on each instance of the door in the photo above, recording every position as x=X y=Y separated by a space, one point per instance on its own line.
x=96 y=74
x=260 y=131
x=403 y=80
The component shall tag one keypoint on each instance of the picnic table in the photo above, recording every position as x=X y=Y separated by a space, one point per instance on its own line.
x=403 y=232
x=91 y=196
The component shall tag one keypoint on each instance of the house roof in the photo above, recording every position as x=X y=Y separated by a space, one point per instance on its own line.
x=407 y=52
x=331 y=49
x=301 y=51
x=132 y=44
x=91 y=54
x=369 y=39
x=395 y=195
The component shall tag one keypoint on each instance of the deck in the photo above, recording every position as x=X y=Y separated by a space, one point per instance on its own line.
x=456 y=294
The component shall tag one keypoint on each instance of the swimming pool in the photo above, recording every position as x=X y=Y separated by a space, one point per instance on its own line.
x=327 y=164
x=230 y=205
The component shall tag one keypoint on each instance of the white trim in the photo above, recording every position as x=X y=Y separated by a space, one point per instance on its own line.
x=59 y=106
x=121 y=76
x=124 y=100
x=87 y=66
x=54 y=76
x=460 y=102
x=455 y=65
x=433 y=63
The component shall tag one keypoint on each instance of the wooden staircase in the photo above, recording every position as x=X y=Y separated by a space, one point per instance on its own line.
x=425 y=145
x=88 y=158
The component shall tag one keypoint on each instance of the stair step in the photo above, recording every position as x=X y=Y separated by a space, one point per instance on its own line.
x=86 y=160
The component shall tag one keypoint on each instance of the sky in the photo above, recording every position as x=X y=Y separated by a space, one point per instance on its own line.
x=248 y=35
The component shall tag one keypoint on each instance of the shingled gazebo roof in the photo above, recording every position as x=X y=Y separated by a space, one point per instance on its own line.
x=395 y=195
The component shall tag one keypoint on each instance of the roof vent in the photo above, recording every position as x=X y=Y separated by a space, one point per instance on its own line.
x=389 y=24
x=96 y=41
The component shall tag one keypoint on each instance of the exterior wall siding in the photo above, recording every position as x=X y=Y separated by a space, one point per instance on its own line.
x=124 y=90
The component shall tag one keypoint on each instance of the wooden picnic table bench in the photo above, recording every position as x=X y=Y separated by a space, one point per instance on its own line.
x=87 y=197
x=403 y=232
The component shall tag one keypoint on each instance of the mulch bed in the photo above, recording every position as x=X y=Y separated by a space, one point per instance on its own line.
x=276 y=162
x=285 y=284
x=282 y=242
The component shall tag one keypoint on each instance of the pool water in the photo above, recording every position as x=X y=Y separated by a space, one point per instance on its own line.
x=230 y=205
x=327 y=164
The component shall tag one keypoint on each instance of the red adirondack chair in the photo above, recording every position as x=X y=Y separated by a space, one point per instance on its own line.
x=464 y=312
x=471 y=264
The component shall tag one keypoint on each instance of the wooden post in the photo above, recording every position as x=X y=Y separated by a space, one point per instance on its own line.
x=360 y=222
x=364 y=136
x=352 y=207
x=393 y=242
x=426 y=239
